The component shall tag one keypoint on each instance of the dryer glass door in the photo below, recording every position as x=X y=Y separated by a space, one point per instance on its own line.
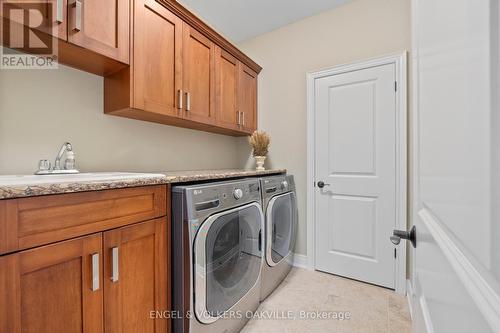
x=280 y=227
x=228 y=259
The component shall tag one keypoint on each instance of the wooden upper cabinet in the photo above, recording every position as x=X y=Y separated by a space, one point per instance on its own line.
x=198 y=76
x=182 y=73
x=156 y=64
x=247 y=98
x=53 y=12
x=236 y=106
x=226 y=90
x=91 y=35
x=57 y=26
x=101 y=26
x=54 y=288
x=51 y=15
x=135 y=277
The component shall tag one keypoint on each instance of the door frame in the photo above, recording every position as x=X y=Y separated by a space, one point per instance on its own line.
x=399 y=60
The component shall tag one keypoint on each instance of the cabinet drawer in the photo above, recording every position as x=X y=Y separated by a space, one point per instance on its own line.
x=35 y=221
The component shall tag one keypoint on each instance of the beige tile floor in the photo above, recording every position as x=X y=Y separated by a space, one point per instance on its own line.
x=372 y=309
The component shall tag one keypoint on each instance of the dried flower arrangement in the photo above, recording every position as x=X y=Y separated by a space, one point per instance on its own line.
x=259 y=140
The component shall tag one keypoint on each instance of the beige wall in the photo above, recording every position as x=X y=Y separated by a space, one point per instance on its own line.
x=357 y=30
x=40 y=109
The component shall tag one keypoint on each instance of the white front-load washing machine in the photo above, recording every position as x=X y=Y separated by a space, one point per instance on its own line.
x=217 y=257
x=280 y=206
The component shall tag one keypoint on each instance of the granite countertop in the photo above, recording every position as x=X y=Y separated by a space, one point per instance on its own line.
x=19 y=186
x=201 y=175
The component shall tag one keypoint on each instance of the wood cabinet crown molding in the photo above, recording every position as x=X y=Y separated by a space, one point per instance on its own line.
x=205 y=29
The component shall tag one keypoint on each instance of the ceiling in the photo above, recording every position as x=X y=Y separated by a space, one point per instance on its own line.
x=240 y=20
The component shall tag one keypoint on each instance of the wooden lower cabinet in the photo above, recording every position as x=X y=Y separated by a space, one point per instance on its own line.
x=83 y=285
x=51 y=288
x=135 y=277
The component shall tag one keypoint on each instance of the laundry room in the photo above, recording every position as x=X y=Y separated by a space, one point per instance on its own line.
x=225 y=166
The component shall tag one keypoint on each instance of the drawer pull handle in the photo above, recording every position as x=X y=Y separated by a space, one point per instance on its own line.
x=59 y=13
x=179 y=99
x=188 y=101
x=78 y=15
x=95 y=272
x=114 y=264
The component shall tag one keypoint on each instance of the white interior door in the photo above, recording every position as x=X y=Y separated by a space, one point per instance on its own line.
x=456 y=275
x=355 y=156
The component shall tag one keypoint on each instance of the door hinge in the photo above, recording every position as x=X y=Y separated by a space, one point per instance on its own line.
x=395 y=254
x=395 y=85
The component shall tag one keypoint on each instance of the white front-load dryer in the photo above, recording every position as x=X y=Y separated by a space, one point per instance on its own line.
x=280 y=210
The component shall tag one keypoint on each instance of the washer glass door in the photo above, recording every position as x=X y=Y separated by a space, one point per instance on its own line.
x=228 y=259
x=280 y=227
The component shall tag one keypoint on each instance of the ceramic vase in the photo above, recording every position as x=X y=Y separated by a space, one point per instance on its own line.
x=259 y=160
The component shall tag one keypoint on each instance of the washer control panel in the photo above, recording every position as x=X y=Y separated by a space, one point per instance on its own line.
x=238 y=193
x=205 y=199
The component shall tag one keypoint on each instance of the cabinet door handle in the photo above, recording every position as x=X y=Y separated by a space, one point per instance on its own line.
x=95 y=272
x=59 y=11
x=243 y=118
x=188 y=101
x=238 y=116
x=114 y=264
x=179 y=99
x=78 y=15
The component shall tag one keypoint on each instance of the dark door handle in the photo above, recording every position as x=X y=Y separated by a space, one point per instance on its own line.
x=322 y=184
x=408 y=235
x=260 y=240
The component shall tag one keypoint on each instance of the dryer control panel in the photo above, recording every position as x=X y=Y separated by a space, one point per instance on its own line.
x=276 y=185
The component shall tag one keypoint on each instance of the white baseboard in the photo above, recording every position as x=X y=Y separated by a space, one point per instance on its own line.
x=301 y=261
x=409 y=296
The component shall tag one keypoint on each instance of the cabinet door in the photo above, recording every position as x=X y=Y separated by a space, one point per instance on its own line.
x=198 y=76
x=135 y=275
x=247 y=98
x=226 y=90
x=157 y=72
x=53 y=288
x=101 y=26
x=46 y=16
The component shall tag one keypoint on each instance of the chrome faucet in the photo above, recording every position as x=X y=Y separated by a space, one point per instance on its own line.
x=44 y=167
x=66 y=147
